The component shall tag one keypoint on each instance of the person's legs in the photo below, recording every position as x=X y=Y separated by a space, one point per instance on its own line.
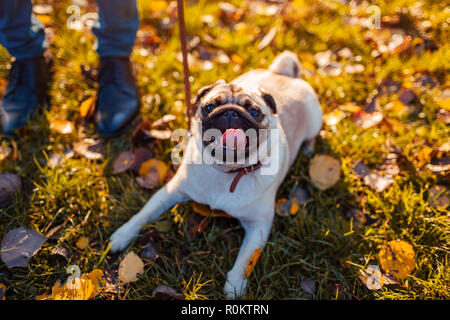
x=116 y=28
x=117 y=98
x=21 y=33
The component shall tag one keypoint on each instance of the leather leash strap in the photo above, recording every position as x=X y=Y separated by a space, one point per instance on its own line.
x=187 y=89
x=242 y=172
x=184 y=50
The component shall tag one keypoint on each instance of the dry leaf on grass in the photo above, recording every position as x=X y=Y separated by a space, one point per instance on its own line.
x=82 y=243
x=360 y=169
x=301 y=196
x=397 y=258
x=5 y=152
x=19 y=245
x=10 y=184
x=123 y=162
x=285 y=207
x=87 y=107
x=163 y=121
x=62 y=126
x=378 y=182
x=252 y=262
x=206 y=211
x=309 y=286
x=167 y=291
x=324 y=171
x=334 y=117
x=89 y=148
x=154 y=165
x=374 y=279
x=367 y=120
x=83 y=288
x=130 y=267
x=438 y=197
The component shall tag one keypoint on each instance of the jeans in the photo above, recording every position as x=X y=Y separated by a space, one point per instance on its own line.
x=22 y=34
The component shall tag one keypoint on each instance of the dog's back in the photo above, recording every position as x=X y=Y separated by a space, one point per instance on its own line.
x=297 y=104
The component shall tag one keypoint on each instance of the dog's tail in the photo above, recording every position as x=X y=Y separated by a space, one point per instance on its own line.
x=287 y=64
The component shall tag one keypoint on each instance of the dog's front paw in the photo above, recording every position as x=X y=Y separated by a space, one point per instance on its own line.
x=235 y=286
x=123 y=236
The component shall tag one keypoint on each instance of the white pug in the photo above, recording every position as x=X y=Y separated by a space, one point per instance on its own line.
x=275 y=100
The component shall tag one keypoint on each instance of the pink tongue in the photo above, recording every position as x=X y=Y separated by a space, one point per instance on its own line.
x=234 y=138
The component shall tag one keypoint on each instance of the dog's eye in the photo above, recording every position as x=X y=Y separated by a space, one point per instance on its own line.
x=255 y=113
x=209 y=108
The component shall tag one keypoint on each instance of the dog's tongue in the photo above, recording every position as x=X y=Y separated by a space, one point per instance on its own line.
x=234 y=138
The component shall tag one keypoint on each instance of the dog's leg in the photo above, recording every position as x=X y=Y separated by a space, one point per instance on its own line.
x=161 y=201
x=256 y=234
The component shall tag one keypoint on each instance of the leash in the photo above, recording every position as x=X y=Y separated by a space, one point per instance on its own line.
x=187 y=90
x=184 y=51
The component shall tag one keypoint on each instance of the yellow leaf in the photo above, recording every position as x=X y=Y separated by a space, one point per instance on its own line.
x=62 y=126
x=206 y=211
x=75 y=289
x=154 y=165
x=397 y=258
x=283 y=207
x=294 y=208
x=45 y=19
x=324 y=171
x=96 y=277
x=2 y=291
x=157 y=5
x=424 y=156
x=87 y=107
x=237 y=59
x=444 y=103
x=252 y=262
x=83 y=243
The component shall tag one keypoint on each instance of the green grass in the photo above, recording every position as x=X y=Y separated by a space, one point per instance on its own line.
x=318 y=242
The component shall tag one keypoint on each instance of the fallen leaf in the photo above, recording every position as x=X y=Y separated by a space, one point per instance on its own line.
x=59 y=251
x=438 y=197
x=367 y=120
x=154 y=165
x=123 y=162
x=268 y=38
x=150 y=181
x=237 y=59
x=62 y=126
x=19 y=245
x=10 y=184
x=333 y=118
x=206 y=211
x=324 y=171
x=252 y=262
x=407 y=96
x=378 y=182
x=83 y=243
x=372 y=277
x=130 y=267
x=55 y=160
x=424 y=156
x=89 y=148
x=87 y=107
x=5 y=152
x=159 y=134
x=163 y=121
x=149 y=252
x=167 y=291
x=74 y=289
x=309 y=286
x=361 y=170
x=397 y=258
x=283 y=207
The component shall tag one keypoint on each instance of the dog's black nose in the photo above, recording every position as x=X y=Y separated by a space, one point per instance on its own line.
x=230 y=114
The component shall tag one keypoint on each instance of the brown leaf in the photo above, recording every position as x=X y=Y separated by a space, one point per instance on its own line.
x=5 y=152
x=206 y=211
x=19 y=245
x=301 y=196
x=150 y=181
x=360 y=169
x=367 y=120
x=141 y=155
x=407 y=96
x=149 y=252
x=324 y=171
x=10 y=184
x=123 y=162
x=130 y=267
x=55 y=160
x=167 y=291
x=378 y=182
x=89 y=148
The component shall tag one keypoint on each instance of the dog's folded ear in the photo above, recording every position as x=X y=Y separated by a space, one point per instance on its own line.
x=269 y=100
x=203 y=91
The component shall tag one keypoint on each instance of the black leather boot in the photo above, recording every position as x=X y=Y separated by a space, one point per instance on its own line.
x=26 y=90
x=117 y=99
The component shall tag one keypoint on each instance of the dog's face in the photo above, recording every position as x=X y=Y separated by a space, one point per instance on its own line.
x=236 y=117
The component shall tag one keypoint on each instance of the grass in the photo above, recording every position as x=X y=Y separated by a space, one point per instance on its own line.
x=318 y=243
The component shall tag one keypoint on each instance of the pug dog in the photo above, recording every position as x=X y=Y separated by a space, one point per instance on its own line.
x=283 y=112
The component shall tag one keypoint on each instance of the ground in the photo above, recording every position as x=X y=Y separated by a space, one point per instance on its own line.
x=320 y=242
